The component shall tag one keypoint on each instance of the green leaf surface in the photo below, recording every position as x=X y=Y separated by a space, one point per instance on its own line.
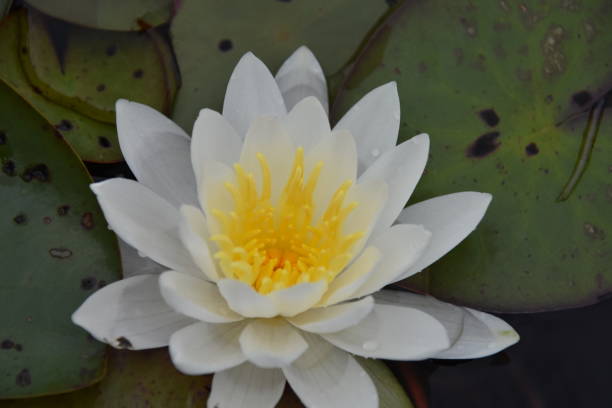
x=87 y=70
x=209 y=37
x=147 y=379
x=5 y=6
x=92 y=140
x=121 y=15
x=510 y=94
x=390 y=392
x=56 y=250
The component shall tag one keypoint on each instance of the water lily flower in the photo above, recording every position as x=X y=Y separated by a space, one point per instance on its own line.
x=266 y=239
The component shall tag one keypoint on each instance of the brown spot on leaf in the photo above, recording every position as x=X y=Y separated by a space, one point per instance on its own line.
x=225 y=45
x=2 y=137
x=484 y=145
x=594 y=232
x=63 y=210
x=38 y=172
x=7 y=344
x=532 y=149
x=489 y=116
x=138 y=73
x=47 y=220
x=60 y=253
x=20 y=219
x=111 y=50
x=23 y=379
x=64 y=125
x=8 y=167
x=581 y=98
x=87 y=221
x=100 y=87
x=104 y=142
x=88 y=283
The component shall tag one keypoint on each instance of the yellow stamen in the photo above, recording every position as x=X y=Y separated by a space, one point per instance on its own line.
x=273 y=246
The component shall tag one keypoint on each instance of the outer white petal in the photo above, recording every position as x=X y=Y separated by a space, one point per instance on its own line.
x=352 y=278
x=157 y=151
x=145 y=221
x=401 y=168
x=393 y=332
x=213 y=139
x=482 y=335
x=130 y=313
x=251 y=92
x=301 y=76
x=333 y=318
x=326 y=377
x=270 y=343
x=195 y=298
x=194 y=235
x=400 y=247
x=247 y=386
x=374 y=123
x=205 y=348
x=243 y=299
x=133 y=264
x=307 y=123
x=450 y=218
x=267 y=136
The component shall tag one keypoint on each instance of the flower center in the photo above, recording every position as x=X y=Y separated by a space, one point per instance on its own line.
x=272 y=246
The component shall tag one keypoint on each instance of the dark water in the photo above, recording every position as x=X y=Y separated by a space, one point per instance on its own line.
x=562 y=361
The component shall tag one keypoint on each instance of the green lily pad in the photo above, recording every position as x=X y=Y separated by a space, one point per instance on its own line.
x=148 y=379
x=209 y=37
x=510 y=94
x=87 y=70
x=92 y=140
x=121 y=15
x=5 y=6
x=56 y=251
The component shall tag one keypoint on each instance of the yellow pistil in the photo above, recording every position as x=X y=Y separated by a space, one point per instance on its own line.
x=272 y=247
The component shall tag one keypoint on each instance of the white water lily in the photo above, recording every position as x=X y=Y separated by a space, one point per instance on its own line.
x=276 y=235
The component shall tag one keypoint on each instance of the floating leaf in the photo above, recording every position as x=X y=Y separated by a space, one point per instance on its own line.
x=390 y=392
x=56 y=250
x=92 y=140
x=88 y=70
x=210 y=36
x=508 y=92
x=122 y=15
x=5 y=6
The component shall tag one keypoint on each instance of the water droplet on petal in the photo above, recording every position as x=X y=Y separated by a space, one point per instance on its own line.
x=375 y=152
x=370 y=345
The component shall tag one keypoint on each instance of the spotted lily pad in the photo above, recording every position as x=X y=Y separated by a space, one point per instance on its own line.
x=148 y=379
x=210 y=36
x=56 y=250
x=87 y=70
x=119 y=15
x=92 y=140
x=512 y=94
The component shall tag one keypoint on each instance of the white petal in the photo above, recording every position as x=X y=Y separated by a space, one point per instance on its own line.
x=450 y=218
x=204 y=348
x=251 y=92
x=130 y=313
x=393 y=332
x=195 y=298
x=401 y=168
x=450 y=316
x=333 y=318
x=482 y=335
x=145 y=221
x=270 y=343
x=400 y=247
x=326 y=377
x=374 y=123
x=267 y=136
x=213 y=139
x=307 y=123
x=339 y=157
x=157 y=151
x=298 y=298
x=301 y=76
x=352 y=278
x=247 y=386
x=134 y=264
x=243 y=299
x=194 y=235
x=212 y=191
